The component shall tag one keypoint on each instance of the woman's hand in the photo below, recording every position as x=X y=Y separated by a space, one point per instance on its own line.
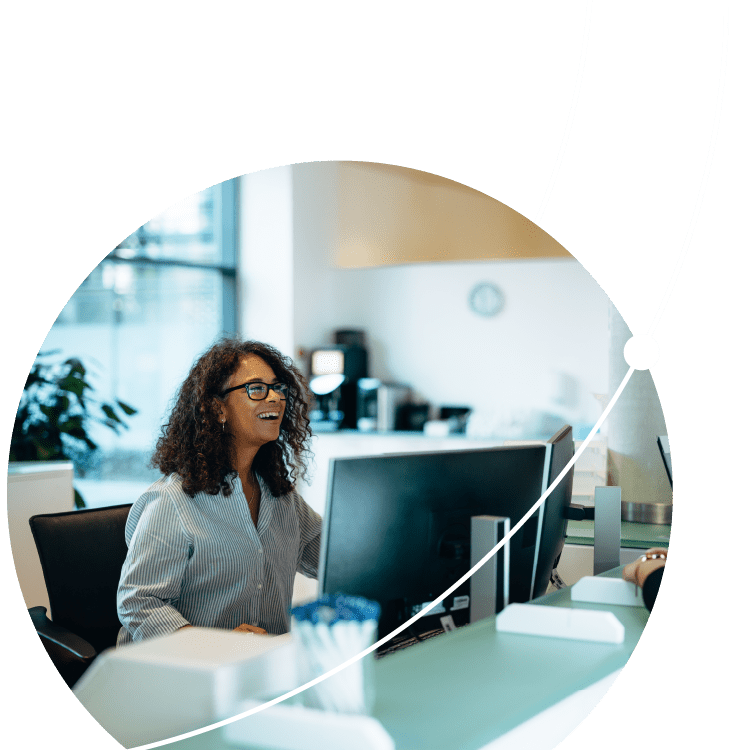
x=250 y=628
x=638 y=571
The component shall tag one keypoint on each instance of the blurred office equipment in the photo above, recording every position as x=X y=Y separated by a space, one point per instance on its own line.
x=489 y=585
x=457 y=418
x=381 y=405
x=664 y=444
x=413 y=416
x=582 y=624
x=451 y=420
x=634 y=461
x=607 y=534
x=299 y=727
x=498 y=679
x=653 y=512
x=81 y=554
x=325 y=414
x=334 y=373
x=35 y=488
x=554 y=512
x=397 y=527
x=327 y=632
x=147 y=691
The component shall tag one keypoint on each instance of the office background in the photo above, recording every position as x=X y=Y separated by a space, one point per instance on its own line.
x=291 y=254
x=632 y=158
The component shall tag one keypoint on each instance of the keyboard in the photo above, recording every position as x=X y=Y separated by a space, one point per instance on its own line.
x=406 y=640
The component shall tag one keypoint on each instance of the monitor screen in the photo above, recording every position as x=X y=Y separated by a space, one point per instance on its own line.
x=664 y=444
x=397 y=527
x=552 y=530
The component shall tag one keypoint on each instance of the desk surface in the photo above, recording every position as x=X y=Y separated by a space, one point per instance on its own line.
x=633 y=534
x=466 y=688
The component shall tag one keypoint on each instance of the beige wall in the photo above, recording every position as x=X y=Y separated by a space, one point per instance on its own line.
x=394 y=215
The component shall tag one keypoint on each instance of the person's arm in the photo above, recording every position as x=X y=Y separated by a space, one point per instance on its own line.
x=646 y=572
x=153 y=571
x=310 y=538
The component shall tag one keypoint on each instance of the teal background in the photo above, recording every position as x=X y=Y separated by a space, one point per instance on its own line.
x=112 y=113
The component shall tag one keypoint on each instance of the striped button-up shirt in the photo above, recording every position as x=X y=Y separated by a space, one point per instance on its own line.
x=202 y=561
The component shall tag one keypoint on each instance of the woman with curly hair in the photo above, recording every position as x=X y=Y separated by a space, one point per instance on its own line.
x=216 y=542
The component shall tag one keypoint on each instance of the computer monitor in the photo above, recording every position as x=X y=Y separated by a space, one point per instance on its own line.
x=664 y=445
x=397 y=527
x=553 y=519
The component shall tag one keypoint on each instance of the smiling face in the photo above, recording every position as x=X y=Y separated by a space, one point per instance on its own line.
x=252 y=423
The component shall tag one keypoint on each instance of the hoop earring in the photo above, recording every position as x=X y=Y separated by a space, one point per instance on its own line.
x=223 y=422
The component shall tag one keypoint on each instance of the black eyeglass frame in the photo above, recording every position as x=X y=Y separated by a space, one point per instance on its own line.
x=267 y=388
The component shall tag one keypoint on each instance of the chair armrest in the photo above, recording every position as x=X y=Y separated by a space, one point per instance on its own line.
x=48 y=630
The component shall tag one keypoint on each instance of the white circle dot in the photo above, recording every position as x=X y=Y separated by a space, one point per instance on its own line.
x=641 y=352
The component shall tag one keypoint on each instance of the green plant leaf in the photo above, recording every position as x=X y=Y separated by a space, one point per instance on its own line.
x=76 y=366
x=73 y=384
x=110 y=413
x=51 y=412
x=35 y=378
x=75 y=431
x=78 y=499
x=46 y=450
x=127 y=409
x=54 y=411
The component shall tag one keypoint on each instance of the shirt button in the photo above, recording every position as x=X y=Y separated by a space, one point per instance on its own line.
x=260 y=587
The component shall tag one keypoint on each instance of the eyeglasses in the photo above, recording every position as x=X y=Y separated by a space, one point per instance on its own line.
x=257 y=390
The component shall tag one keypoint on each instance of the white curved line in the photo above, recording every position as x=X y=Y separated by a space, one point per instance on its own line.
x=585 y=443
x=376 y=645
x=707 y=170
x=571 y=114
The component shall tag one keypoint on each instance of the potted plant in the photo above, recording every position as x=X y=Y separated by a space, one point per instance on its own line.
x=56 y=411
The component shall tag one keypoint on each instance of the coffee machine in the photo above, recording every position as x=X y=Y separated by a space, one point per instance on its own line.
x=334 y=373
x=381 y=405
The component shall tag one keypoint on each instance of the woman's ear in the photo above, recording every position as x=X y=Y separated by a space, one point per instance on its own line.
x=222 y=413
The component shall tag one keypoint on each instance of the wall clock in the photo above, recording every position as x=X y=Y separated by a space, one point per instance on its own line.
x=486 y=299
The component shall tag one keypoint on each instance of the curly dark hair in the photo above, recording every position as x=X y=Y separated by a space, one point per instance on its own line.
x=193 y=445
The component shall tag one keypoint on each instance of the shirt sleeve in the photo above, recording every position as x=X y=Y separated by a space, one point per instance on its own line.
x=151 y=577
x=310 y=538
x=651 y=587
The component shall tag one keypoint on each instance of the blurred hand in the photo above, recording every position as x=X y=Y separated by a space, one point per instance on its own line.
x=638 y=571
x=250 y=628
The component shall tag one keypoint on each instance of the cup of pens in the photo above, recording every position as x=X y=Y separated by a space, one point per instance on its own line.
x=328 y=632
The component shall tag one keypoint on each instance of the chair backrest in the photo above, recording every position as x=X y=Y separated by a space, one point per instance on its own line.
x=82 y=554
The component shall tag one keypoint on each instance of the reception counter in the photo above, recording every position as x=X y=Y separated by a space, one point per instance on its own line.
x=475 y=686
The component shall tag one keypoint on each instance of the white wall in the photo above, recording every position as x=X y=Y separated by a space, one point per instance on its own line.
x=319 y=293
x=546 y=352
x=265 y=286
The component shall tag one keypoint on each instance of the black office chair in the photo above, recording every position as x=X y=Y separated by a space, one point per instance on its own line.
x=81 y=554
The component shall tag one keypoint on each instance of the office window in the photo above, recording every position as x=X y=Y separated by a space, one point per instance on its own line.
x=138 y=322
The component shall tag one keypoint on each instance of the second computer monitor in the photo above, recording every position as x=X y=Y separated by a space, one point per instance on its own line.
x=553 y=519
x=397 y=527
